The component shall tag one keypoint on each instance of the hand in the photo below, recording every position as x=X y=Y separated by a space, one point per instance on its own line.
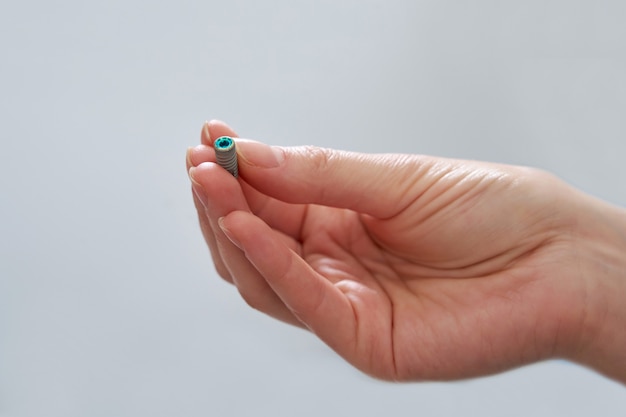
x=410 y=267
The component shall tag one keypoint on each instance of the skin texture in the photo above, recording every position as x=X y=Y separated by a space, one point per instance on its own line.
x=413 y=267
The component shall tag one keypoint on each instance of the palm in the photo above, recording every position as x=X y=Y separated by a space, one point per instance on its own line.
x=403 y=316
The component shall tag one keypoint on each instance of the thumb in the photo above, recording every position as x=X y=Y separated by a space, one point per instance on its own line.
x=380 y=185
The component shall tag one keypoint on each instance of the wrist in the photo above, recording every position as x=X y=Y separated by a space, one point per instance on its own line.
x=601 y=254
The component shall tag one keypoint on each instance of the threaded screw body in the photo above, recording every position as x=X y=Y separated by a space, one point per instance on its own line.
x=226 y=154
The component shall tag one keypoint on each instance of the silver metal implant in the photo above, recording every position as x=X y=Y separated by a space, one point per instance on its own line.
x=226 y=154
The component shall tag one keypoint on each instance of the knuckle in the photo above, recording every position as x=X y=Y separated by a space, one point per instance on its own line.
x=253 y=300
x=223 y=272
x=320 y=158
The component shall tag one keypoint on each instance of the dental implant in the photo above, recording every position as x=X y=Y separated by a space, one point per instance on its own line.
x=226 y=154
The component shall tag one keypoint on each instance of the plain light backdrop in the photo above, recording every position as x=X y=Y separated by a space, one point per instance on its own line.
x=109 y=303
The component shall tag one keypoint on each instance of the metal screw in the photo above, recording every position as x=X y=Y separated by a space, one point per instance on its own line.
x=226 y=154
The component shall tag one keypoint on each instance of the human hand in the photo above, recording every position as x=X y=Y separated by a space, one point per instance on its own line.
x=410 y=267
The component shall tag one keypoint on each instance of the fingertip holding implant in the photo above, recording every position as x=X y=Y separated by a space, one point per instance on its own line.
x=226 y=154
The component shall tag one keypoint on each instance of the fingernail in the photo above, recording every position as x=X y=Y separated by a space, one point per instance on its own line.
x=227 y=232
x=198 y=189
x=197 y=155
x=206 y=135
x=259 y=154
x=188 y=162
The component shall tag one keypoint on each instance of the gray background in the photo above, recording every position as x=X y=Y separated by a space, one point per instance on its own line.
x=109 y=304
